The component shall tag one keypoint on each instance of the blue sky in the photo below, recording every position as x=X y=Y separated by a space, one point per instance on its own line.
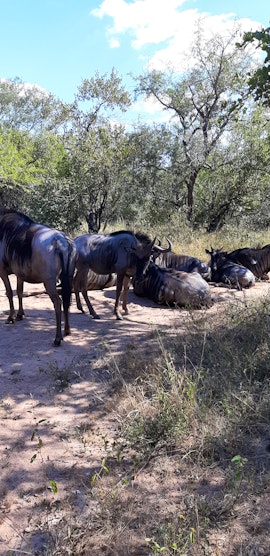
x=57 y=43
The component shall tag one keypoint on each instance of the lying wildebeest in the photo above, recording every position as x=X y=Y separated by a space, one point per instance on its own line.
x=256 y=260
x=171 y=287
x=118 y=252
x=182 y=262
x=228 y=272
x=95 y=282
x=36 y=253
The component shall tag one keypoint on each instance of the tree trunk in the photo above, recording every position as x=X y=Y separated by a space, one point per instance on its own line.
x=190 y=196
x=93 y=222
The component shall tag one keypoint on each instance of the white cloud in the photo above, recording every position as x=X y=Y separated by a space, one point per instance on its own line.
x=169 y=27
x=176 y=53
x=149 y=21
x=153 y=22
x=114 y=43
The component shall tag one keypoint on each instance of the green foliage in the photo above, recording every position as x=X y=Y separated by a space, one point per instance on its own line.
x=53 y=486
x=174 y=538
x=259 y=82
x=29 y=108
x=18 y=163
x=70 y=167
x=102 y=92
x=204 y=102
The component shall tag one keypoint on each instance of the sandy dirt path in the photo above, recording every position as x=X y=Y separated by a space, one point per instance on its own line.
x=45 y=426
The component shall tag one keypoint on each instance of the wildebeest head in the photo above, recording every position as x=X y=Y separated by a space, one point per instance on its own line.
x=145 y=251
x=157 y=249
x=218 y=257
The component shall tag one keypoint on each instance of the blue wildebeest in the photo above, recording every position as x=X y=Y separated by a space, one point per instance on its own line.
x=35 y=254
x=95 y=282
x=171 y=287
x=182 y=262
x=227 y=272
x=118 y=252
x=256 y=260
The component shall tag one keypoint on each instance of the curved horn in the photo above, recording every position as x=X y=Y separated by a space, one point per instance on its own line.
x=159 y=249
x=170 y=243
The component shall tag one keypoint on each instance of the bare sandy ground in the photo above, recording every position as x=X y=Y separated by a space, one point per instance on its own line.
x=44 y=433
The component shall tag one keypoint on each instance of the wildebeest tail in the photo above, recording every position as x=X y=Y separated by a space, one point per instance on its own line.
x=66 y=254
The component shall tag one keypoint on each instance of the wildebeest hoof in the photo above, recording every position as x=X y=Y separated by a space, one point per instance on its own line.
x=10 y=320
x=57 y=343
x=119 y=316
x=96 y=317
x=19 y=317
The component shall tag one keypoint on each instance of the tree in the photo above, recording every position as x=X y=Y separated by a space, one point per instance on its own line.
x=19 y=164
x=94 y=150
x=148 y=196
x=259 y=79
x=28 y=118
x=236 y=185
x=204 y=102
x=63 y=159
x=29 y=108
x=93 y=176
x=103 y=95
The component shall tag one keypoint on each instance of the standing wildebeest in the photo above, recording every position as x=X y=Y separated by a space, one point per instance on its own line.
x=182 y=262
x=168 y=286
x=228 y=272
x=256 y=260
x=36 y=253
x=118 y=252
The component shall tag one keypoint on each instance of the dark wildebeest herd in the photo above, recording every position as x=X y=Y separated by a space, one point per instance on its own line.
x=38 y=254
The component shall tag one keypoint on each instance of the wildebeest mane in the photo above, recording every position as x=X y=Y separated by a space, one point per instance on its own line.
x=15 y=227
x=22 y=218
x=143 y=237
x=121 y=232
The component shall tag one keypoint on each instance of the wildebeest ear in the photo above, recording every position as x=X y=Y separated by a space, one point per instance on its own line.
x=207 y=251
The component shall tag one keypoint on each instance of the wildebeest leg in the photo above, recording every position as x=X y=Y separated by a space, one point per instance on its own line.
x=89 y=305
x=78 y=301
x=80 y=277
x=119 y=287
x=80 y=285
x=12 y=316
x=20 y=313
x=67 y=331
x=52 y=292
x=76 y=287
x=126 y=284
